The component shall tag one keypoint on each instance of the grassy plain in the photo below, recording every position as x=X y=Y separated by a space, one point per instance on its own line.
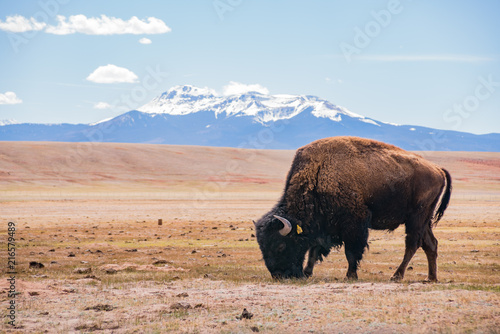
x=89 y=213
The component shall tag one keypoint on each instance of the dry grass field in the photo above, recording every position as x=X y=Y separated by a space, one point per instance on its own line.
x=89 y=213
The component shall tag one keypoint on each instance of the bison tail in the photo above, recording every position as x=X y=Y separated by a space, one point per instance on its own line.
x=445 y=199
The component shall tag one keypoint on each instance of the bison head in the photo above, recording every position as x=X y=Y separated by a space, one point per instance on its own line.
x=283 y=249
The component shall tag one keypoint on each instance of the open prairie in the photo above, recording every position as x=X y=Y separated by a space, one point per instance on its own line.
x=89 y=214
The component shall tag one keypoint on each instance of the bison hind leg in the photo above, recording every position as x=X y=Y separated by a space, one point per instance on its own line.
x=418 y=233
x=430 y=245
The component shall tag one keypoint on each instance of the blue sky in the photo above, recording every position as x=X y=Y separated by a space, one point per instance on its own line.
x=427 y=63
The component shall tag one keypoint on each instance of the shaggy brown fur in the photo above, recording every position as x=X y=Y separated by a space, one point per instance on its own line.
x=338 y=188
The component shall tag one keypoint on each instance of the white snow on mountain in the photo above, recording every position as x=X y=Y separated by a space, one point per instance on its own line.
x=8 y=122
x=180 y=100
x=183 y=100
x=102 y=121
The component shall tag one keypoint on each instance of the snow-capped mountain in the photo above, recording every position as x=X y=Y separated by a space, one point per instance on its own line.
x=7 y=122
x=188 y=115
x=183 y=100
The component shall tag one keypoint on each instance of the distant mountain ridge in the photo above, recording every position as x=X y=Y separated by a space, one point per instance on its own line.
x=183 y=100
x=188 y=115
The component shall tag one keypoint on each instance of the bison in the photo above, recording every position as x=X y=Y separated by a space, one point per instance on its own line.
x=336 y=190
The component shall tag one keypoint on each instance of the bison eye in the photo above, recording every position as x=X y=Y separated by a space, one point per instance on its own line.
x=281 y=247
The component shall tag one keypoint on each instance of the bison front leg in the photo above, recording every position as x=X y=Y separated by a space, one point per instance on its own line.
x=355 y=242
x=311 y=261
x=354 y=250
x=354 y=256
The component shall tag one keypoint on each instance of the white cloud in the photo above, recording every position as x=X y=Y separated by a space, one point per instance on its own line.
x=102 y=25
x=145 y=40
x=18 y=23
x=102 y=105
x=235 y=88
x=9 y=98
x=112 y=74
x=105 y=25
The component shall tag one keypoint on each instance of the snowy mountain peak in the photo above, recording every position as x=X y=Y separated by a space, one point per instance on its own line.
x=263 y=108
x=8 y=122
x=188 y=92
x=180 y=100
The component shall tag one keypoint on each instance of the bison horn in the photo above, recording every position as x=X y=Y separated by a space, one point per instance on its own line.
x=287 y=228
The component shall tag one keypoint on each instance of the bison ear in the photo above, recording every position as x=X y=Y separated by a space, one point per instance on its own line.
x=287 y=226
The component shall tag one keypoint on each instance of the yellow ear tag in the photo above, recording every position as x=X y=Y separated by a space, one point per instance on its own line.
x=299 y=229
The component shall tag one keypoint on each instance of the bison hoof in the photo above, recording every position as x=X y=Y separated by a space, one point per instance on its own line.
x=396 y=278
x=308 y=273
x=430 y=280
x=351 y=278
